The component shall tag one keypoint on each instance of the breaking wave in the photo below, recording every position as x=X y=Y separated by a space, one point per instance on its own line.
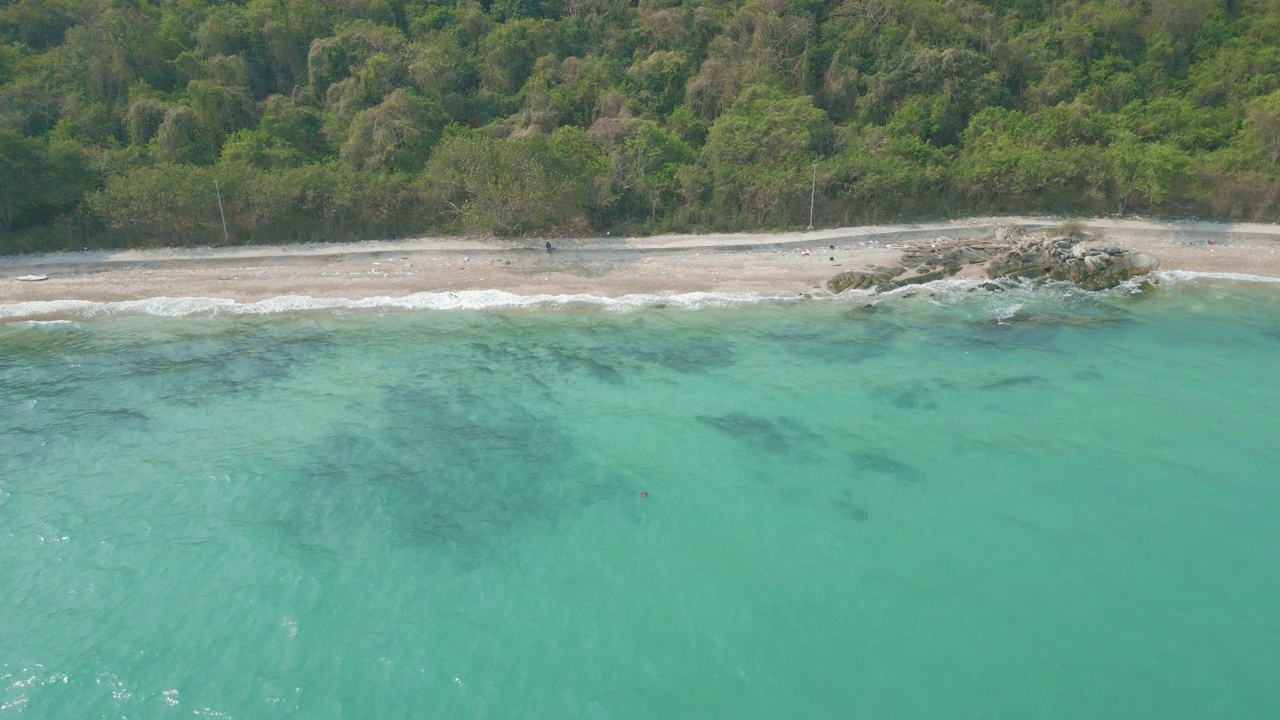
x=462 y=300
x=943 y=291
x=1176 y=275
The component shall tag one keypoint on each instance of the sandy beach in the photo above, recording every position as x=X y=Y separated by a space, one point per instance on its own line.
x=777 y=263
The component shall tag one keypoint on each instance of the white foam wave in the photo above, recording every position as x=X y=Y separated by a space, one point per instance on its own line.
x=1203 y=275
x=50 y=324
x=55 y=313
x=461 y=300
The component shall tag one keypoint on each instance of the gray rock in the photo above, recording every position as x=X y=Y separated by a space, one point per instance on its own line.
x=971 y=256
x=914 y=280
x=1008 y=255
x=855 y=280
x=851 y=279
x=1061 y=258
x=1142 y=263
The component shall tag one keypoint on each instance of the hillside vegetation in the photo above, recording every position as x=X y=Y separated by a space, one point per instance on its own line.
x=346 y=119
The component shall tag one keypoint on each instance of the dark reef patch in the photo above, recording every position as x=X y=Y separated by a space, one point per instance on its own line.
x=600 y=350
x=594 y=362
x=914 y=396
x=999 y=336
x=759 y=431
x=839 y=343
x=457 y=470
x=775 y=435
x=688 y=356
x=879 y=463
x=1014 y=381
x=849 y=511
x=193 y=371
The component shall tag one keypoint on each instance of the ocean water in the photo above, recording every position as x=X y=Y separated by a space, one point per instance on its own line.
x=1028 y=504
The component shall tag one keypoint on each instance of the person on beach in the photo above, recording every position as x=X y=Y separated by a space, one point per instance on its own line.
x=548 y=247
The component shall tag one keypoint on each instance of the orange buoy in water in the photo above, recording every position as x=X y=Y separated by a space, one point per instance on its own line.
x=644 y=493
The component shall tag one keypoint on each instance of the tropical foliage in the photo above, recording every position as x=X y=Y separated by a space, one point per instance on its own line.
x=345 y=119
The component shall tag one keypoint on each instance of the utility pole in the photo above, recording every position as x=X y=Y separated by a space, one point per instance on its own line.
x=226 y=237
x=813 y=192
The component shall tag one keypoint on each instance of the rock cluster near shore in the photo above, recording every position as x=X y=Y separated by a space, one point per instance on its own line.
x=1071 y=257
x=1064 y=258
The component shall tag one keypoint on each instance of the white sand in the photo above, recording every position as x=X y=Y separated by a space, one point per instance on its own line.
x=777 y=263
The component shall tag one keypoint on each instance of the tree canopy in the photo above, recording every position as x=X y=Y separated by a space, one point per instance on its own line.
x=346 y=120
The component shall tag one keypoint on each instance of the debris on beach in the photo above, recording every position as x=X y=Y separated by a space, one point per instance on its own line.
x=1071 y=257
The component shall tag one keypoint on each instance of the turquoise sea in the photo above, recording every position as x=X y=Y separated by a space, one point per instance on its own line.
x=1026 y=504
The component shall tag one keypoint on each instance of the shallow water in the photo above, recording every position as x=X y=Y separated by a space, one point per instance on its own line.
x=1026 y=504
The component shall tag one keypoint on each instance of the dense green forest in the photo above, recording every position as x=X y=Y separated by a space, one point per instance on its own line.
x=346 y=119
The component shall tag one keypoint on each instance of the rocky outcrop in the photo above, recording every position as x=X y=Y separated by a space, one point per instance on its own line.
x=854 y=280
x=937 y=263
x=1066 y=258
x=949 y=258
x=1009 y=254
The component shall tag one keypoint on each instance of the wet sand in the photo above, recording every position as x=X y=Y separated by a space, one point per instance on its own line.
x=774 y=264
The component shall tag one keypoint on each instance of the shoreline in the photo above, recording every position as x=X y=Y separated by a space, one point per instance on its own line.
x=771 y=264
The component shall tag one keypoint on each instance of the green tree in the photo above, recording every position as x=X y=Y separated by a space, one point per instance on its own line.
x=1262 y=126
x=508 y=54
x=39 y=180
x=144 y=120
x=1151 y=173
x=515 y=185
x=220 y=110
x=167 y=204
x=295 y=125
x=442 y=71
x=704 y=113
x=757 y=156
x=396 y=135
x=23 y=165
x=878 y=175
x=179 y=139
x=257 y=149
x=646 y=167
x=661 y=78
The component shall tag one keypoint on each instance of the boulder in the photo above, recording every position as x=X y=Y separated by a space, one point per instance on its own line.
x=971 y=256
x=847 y=280
x=855 y=280
x=1140 y=264
x=915 y=279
